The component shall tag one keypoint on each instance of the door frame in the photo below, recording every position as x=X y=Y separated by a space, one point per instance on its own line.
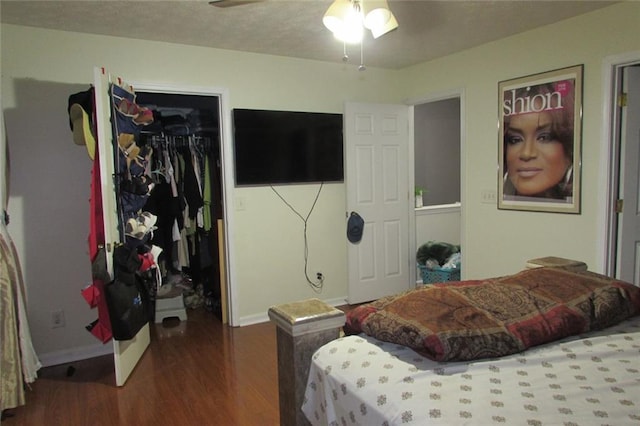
x=628 y=219
x=226 y=157
x=458 y=93
x=607 y=238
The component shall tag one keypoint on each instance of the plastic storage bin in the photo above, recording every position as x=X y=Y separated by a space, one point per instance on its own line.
x=438 y=275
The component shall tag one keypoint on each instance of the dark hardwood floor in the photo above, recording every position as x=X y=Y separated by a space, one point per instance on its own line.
x=197 y=372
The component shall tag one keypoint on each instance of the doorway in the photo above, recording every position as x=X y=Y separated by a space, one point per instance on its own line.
x=398 y=239
x=436 y=169
x=437 y=151
x=186 y=133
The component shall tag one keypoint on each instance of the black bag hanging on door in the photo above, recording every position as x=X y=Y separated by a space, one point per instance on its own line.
x=127 y=297
x=127 y=308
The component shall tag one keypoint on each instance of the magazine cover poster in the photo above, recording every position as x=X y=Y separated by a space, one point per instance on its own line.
x=539 y=141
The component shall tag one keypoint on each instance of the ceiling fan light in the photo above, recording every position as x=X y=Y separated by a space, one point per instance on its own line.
x=347 y=20
x=376 y=13
x=334 y=16
x=348 y=26
x=390 y=25
x=350 y=35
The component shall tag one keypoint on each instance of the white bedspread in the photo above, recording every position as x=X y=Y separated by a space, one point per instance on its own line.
x=588 y=380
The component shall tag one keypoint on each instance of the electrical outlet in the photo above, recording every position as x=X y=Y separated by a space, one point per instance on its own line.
x=320 y=277
x=57 y=319
x=488 y=196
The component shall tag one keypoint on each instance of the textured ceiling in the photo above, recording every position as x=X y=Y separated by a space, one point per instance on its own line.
x=428 y=29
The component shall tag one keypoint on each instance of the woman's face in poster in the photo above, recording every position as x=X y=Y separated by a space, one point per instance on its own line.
x=535 y=160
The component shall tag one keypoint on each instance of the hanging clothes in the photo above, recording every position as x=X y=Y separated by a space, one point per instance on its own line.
x=182 y=166
x=192 y=189
x=94 y=292
x=206 y=198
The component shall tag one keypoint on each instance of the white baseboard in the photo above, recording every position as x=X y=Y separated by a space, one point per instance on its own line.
x=264 y=317
x=254 y=319
x=75 y=354
x=86 y=352
x=339 y=301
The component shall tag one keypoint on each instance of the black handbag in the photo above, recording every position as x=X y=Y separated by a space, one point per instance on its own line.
x=127 y=297
x=127 y=305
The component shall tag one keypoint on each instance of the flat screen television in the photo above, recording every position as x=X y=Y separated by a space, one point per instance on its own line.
x=286 y=147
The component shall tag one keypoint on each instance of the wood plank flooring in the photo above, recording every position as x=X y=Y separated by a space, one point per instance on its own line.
x=197 y=372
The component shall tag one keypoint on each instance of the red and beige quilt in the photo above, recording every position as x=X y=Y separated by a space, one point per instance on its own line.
x=490 y=318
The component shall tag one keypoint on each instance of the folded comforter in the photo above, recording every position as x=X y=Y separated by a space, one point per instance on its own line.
x=490 y=318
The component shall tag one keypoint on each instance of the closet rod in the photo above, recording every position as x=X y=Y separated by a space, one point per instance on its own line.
x=179 y=141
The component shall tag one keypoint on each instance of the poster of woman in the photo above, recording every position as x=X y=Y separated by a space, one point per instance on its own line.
x=539 y=141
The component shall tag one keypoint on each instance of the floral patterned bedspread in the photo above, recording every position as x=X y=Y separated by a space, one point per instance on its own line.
x=590 y=379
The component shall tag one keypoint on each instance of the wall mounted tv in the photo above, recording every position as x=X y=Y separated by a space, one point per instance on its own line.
x=284 y=147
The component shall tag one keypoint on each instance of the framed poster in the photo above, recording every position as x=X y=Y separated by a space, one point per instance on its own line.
x=539 y=142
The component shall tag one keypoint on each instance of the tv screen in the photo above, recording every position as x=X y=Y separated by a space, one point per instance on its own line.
x=280 y=147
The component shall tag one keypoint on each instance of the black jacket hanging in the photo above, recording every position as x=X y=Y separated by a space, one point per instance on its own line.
x=192 y=190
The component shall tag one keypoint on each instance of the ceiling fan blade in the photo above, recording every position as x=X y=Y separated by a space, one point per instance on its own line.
x=231 y=3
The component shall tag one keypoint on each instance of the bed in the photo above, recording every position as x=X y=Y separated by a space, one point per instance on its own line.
x=544 y=346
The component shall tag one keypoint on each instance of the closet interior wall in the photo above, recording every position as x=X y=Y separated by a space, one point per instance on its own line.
x=185 y=137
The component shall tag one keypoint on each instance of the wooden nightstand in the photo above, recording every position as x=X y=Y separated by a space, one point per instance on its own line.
x=557 y=262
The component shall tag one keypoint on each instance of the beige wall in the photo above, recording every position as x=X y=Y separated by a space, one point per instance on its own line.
x=495 y=241
x=40 y=68
x=50 y=175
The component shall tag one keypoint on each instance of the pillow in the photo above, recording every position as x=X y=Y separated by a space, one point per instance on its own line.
x=490 y=318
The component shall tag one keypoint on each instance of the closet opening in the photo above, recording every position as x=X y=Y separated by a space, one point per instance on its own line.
x=186 y=160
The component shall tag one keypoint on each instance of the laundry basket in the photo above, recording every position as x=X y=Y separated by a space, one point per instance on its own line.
x=443 y=260
x=438 y=275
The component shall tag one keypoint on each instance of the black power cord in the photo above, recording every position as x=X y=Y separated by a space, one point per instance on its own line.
x=315 y=285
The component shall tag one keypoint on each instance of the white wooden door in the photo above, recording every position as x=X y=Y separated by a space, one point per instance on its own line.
x=126 y=353
x=629 y=236
x=377 y=184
